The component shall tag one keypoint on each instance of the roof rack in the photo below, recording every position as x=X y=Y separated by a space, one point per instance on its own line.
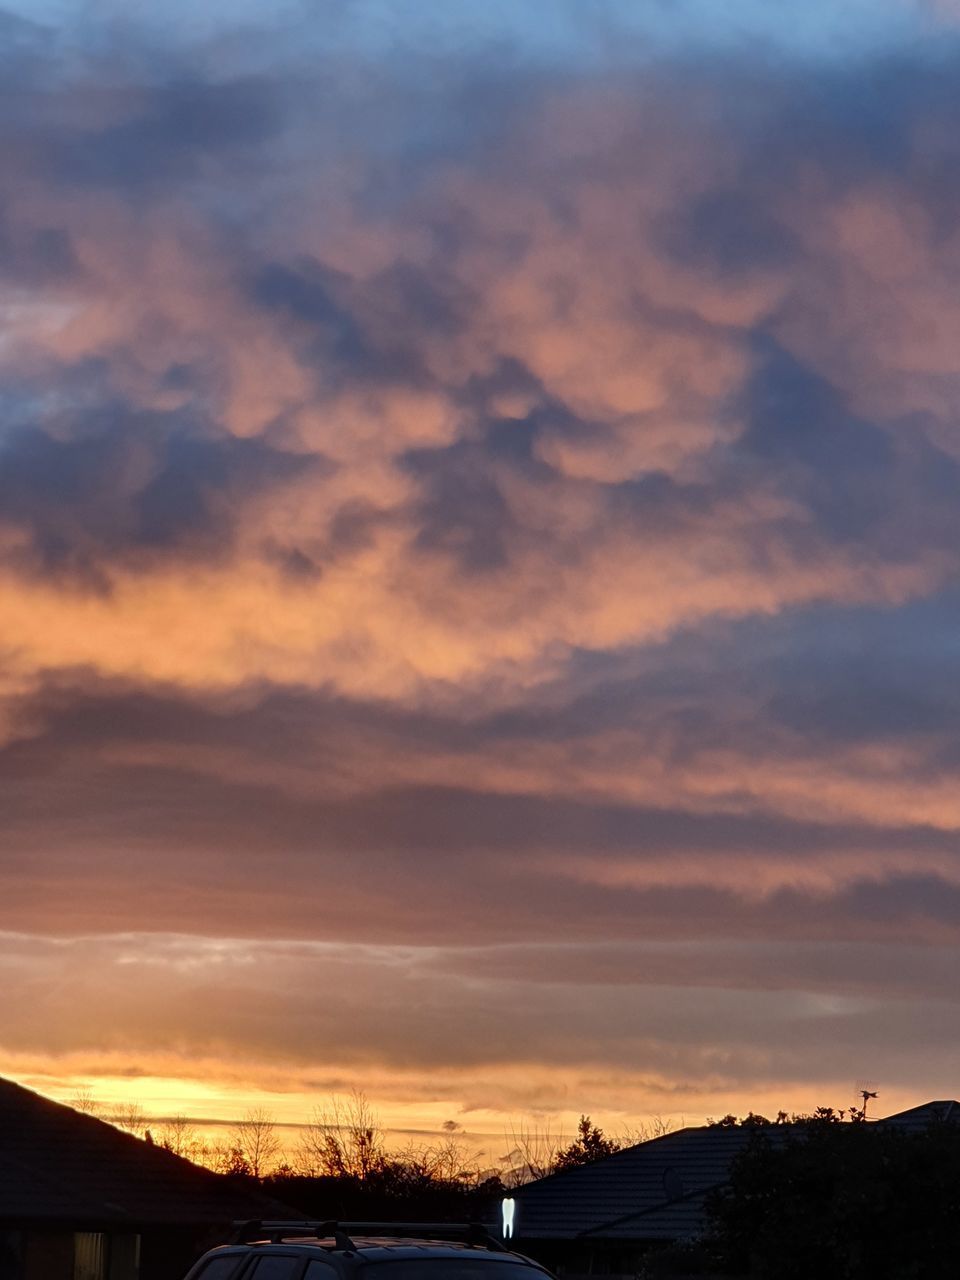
x=474 y=1234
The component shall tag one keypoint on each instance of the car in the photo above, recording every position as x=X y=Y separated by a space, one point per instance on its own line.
x=364 y=1251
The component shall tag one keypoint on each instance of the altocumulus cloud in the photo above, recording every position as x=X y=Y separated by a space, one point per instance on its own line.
x=455 y=497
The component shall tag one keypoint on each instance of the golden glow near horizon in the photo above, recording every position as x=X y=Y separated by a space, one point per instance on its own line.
x=485 y=1136
x=478 y=561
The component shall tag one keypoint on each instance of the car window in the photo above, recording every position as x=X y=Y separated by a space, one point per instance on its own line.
x=275 y=1266
x=221 y=1268
x=318 y=1271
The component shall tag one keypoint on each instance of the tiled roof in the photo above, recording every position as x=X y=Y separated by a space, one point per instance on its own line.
x=654 y=1190
x=58 y=1164
x=919 y=1118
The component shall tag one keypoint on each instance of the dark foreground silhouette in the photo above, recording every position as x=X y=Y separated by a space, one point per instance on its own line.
x=835 y=1201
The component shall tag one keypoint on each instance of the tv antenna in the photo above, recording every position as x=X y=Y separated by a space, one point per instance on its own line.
x=866 y=1091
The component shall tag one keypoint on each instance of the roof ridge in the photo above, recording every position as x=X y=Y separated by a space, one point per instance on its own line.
x=614 y=1155
x=654 y=1208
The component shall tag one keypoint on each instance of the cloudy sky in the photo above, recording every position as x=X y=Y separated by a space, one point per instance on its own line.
x=480 y=554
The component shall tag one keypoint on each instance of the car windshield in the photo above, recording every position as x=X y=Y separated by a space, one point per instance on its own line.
x=456 y=1268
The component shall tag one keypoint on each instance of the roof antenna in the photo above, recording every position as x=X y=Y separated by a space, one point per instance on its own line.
x=866 y=1089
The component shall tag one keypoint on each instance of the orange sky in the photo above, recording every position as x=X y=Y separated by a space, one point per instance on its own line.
x=478 y=560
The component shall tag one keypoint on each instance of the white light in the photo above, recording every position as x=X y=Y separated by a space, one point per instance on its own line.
x=508 y=1208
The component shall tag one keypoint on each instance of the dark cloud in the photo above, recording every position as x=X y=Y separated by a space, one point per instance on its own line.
x=796 y=416
x=850 y=122
x=189 y=786
x=172 y=133
x=868 y=120
x=308 y=292
x=727 y=231
x=36 y=256
x=462 y=512
x=858 y=480
x=865 y=699
x=85 y=493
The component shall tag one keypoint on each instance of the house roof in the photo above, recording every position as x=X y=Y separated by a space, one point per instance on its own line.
x=652 y=1191
x=945 y=1111
x=656 y=1190
x=57 y=1164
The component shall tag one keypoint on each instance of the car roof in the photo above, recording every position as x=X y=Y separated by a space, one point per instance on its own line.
x=347 y=1244
x=381 y=1248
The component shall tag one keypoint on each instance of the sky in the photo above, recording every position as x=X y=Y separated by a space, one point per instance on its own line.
x=480 y=556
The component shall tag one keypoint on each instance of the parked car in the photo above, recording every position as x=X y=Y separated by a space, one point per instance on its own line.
x=363 y=1251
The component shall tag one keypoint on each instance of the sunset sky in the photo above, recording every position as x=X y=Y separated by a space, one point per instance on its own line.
x=480 y=555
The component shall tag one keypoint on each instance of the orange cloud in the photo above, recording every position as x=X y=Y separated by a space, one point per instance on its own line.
x=543 y=530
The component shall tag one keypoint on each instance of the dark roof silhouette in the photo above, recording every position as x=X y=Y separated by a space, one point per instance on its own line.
x=653 y=1191
x=57 y=1164
x=656 y=1190
x=928 y=1113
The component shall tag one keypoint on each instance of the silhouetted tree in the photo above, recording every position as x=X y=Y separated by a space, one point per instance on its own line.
x=841 y=1202
x=646 y=1130
x=444 y=1163
x=256 y=1143
x=344 y=1139
x=228 y=1158
x=182 y=1138
x=532 y=1153
x=84 y=1101
x=130 y=1118
x=590 y=1144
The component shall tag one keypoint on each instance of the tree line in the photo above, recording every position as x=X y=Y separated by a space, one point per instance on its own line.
x=343 y=1147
